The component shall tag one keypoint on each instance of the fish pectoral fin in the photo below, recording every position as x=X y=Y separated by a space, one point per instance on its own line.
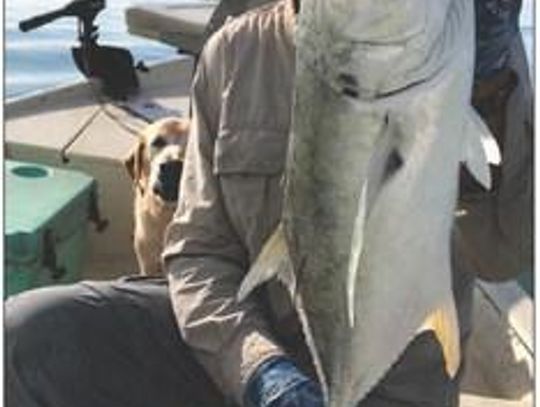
x=357 y=245
x=488 y=141
x=481 y=149
x=444 y=323
x=273 y=261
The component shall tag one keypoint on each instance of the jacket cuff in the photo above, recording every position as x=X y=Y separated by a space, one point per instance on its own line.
x=248 y=350
x=277 y=380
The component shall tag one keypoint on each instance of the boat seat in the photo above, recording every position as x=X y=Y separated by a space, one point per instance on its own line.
x=179 y=25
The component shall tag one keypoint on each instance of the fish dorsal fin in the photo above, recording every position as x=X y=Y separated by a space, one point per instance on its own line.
x=444 y=323
x=480 y=149
x=272 y=262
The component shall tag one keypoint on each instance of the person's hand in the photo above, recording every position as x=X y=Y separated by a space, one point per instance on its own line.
x=279 y=383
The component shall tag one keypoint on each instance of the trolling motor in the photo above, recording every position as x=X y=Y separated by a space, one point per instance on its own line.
x=113 y=66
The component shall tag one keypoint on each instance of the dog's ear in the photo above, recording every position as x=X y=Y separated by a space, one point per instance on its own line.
x=134 y=161
x=182 y=126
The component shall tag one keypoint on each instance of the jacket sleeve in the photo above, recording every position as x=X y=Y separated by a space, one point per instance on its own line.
x=204 y=257
x=495 y=227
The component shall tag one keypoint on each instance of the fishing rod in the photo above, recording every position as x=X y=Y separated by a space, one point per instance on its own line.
x=112 y=66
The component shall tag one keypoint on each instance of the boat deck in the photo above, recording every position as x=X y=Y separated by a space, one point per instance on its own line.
x=71 y=127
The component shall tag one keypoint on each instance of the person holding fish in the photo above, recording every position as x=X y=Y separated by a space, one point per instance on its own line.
x=207 y=336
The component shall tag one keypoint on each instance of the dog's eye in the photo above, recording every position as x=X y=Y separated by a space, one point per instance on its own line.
x=159 y=142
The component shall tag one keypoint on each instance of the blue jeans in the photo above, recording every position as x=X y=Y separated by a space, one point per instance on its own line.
x=279 y=383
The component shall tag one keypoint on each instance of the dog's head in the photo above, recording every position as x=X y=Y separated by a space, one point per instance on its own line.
x=155 y=164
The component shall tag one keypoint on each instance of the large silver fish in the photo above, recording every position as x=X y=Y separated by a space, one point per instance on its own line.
x=381 y=122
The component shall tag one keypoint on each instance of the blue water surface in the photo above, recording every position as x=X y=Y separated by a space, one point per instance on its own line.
x=41 y=59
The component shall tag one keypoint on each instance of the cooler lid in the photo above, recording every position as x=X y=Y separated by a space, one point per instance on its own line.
x=35 y=195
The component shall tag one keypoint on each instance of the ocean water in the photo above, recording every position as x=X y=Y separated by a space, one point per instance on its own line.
x=41 y=58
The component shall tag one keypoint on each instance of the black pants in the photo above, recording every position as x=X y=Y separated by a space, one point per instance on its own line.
x=116 y=344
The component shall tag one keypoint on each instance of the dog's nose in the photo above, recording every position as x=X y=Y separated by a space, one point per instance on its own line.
x=168 y=180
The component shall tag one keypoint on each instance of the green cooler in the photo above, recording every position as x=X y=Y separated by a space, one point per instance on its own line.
x=46 y=219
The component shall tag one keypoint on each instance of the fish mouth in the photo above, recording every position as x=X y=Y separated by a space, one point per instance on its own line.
x=389 y=22
x=372 y=21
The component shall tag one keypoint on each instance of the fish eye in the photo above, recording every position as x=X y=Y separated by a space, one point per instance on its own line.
x=349 y=85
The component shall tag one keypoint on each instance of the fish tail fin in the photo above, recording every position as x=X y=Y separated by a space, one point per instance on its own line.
x=273 y=261
x=481 y=149
x=443 y=322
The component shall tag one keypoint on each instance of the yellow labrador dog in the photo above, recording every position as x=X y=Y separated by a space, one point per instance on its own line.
x=155 y=166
